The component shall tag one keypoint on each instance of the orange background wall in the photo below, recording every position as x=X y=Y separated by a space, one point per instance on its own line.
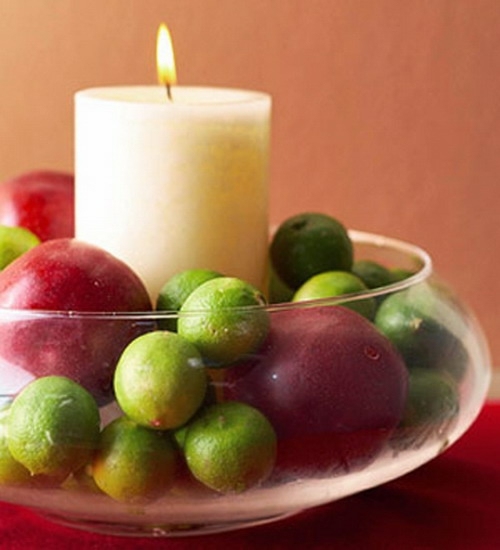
x=386 y=112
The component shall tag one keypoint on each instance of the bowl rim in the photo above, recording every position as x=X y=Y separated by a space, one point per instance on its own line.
x=358 y=237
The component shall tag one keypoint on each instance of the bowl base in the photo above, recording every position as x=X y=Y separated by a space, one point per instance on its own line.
x=161 y=530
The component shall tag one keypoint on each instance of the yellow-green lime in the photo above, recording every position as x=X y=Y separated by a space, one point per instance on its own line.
x=373 y=274
x=11 y=471
x=332 y=284
x=15 y=241
x=225 y=319
x=53 y=426
x=160 y=380
x=230 y=447
x=175 y=291
x=133 y=463
x=307 y=244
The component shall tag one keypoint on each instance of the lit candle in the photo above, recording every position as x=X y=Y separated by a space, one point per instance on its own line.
x=171 y=184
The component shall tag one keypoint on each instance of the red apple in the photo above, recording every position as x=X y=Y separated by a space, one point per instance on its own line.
x=331 y=385
x=66 y=275
x=41 y=201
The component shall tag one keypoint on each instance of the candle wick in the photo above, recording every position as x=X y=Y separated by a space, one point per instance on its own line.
x=168 y=89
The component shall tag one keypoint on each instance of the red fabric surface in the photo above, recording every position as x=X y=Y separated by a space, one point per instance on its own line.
x=452 y=502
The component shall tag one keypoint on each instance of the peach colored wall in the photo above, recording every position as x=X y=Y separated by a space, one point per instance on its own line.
x=386 y=112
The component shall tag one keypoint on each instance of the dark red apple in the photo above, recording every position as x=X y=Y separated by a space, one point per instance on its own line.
x=331 y=385
x=66 y=275
x=41 y=201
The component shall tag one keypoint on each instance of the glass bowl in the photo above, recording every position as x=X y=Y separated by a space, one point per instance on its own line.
x=355 y=399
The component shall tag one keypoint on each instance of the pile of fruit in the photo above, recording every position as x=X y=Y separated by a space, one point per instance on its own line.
x=215 y=391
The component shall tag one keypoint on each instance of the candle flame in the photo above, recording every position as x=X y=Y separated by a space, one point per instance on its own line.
x=165 y=61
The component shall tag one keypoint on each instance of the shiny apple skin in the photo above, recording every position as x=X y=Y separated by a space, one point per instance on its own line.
x=68 y=275
x=41 y=201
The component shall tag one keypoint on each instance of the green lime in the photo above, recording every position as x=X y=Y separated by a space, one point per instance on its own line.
x=230 y=447
x=331 y=284
x=160 y=380
x=175 y=291
x=133 y=463
x=278 y=291
x=11 y=471
x=307 y=244
x=53 y=426
x=82 y=479
x=372 y=273
x=420 y=321
x=15 y=241
x=224 y=319
x=432 y=405
x=400 y=274
x=179 y=434
x=432 y=398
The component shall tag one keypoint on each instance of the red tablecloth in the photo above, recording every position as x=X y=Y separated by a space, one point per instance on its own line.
x=452 y=502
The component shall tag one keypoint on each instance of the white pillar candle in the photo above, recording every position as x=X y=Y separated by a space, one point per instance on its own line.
x=171 y=185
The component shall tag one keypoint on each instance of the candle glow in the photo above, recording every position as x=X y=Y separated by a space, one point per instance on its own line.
x=165 y=60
